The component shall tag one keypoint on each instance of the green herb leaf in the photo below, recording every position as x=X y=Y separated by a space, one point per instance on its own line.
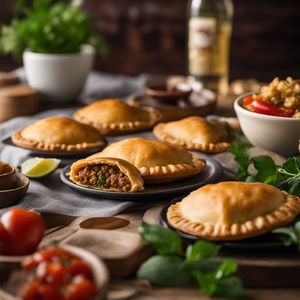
x=165 y=270
x=226 y=268
x=201 y=250
x=289 y=235
x=230 y=287
x=172 y=268
x=96 y=168
x=207 y=282
x=265 y=166
x=163 y=240
x=101 y=180
x=240 y=149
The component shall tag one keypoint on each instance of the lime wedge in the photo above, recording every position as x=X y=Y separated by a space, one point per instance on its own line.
x=38 y=167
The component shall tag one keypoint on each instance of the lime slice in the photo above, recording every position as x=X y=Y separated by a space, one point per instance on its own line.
x=38 y=167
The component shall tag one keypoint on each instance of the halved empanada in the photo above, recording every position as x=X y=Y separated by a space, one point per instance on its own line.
x=194 y=133
x=58 y=134
x=106 y=173
x=233 y=210
x=114 y=116
x=157 y=161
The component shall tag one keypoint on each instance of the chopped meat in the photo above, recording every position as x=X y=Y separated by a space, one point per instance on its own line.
x=104 y=176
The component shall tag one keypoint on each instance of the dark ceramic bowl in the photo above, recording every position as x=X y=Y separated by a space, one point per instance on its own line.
x=7 y=177
x=13 y=195
x=165 y=93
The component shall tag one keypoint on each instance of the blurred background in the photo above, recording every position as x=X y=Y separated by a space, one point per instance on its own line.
x=148 y=36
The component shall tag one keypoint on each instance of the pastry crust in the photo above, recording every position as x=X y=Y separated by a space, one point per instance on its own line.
x=233 y=211
x=58 y=134
x=157 y=161
x=194 y=133
x=136 y=181
x=114 y=116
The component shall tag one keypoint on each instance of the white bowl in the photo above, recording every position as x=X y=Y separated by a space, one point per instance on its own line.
x=278 y=134
x=58 y=77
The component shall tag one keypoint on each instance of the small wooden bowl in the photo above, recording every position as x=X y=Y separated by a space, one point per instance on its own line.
x=14 y=194
x=99 y=269
x=7 y=177
x=166 y=93
x=17 y=100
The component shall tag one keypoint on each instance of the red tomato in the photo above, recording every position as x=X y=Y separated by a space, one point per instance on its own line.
x=25 y=229
x=83 y=289
x=30 y=291
x=4 y=240
x=49 y=292
x=79 y=267
x=53 y=273
x=36 y=290
x=51 y=254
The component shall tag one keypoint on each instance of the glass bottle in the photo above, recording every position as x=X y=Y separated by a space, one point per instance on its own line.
x=209 y=32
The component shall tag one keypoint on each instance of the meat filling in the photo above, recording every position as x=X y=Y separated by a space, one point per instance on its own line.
x=104 y=176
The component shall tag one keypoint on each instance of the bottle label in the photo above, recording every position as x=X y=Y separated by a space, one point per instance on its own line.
x=202 y=32
x=202 y=46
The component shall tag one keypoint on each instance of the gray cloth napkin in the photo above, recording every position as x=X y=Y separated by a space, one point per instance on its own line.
x=50 y=194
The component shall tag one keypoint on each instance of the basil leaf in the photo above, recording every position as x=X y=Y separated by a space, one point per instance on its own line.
x=163 y=240
x=230 y=287
x=265 y=167
x=207 y=282
x=201 y=250
x=292 y=165
x=226 y=268
x=165 y=270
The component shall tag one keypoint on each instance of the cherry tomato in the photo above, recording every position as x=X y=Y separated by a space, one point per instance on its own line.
x=79 y=267
x=36 y=290
x=49 y=292
x=53 y=273
x=51 y=254
x=30 y=291
x=83 y=289
x=25 y=229
x=4 y=241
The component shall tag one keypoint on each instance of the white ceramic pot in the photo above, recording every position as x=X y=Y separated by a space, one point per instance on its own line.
x=278 y=134
x=58 y=77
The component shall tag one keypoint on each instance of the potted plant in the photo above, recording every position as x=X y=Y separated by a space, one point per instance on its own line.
x=57 y=43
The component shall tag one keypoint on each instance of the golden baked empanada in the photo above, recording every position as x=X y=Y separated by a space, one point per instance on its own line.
x=157 y=161
x=194 y=133
x=114 y=116
x=106 y=173
x=233 y=210
x=58 y=134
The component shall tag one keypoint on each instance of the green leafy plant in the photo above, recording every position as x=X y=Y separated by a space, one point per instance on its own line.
x=172 y=266
x=290 y=235
x=285 y=176
x=49 y=27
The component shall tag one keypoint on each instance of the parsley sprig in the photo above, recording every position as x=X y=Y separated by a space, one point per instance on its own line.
x=172 y=266
x=285 y=176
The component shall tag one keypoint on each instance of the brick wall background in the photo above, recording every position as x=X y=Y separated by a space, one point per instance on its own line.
x=148 y=36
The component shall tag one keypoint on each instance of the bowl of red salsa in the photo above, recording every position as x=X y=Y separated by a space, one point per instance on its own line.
x=268 y=125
